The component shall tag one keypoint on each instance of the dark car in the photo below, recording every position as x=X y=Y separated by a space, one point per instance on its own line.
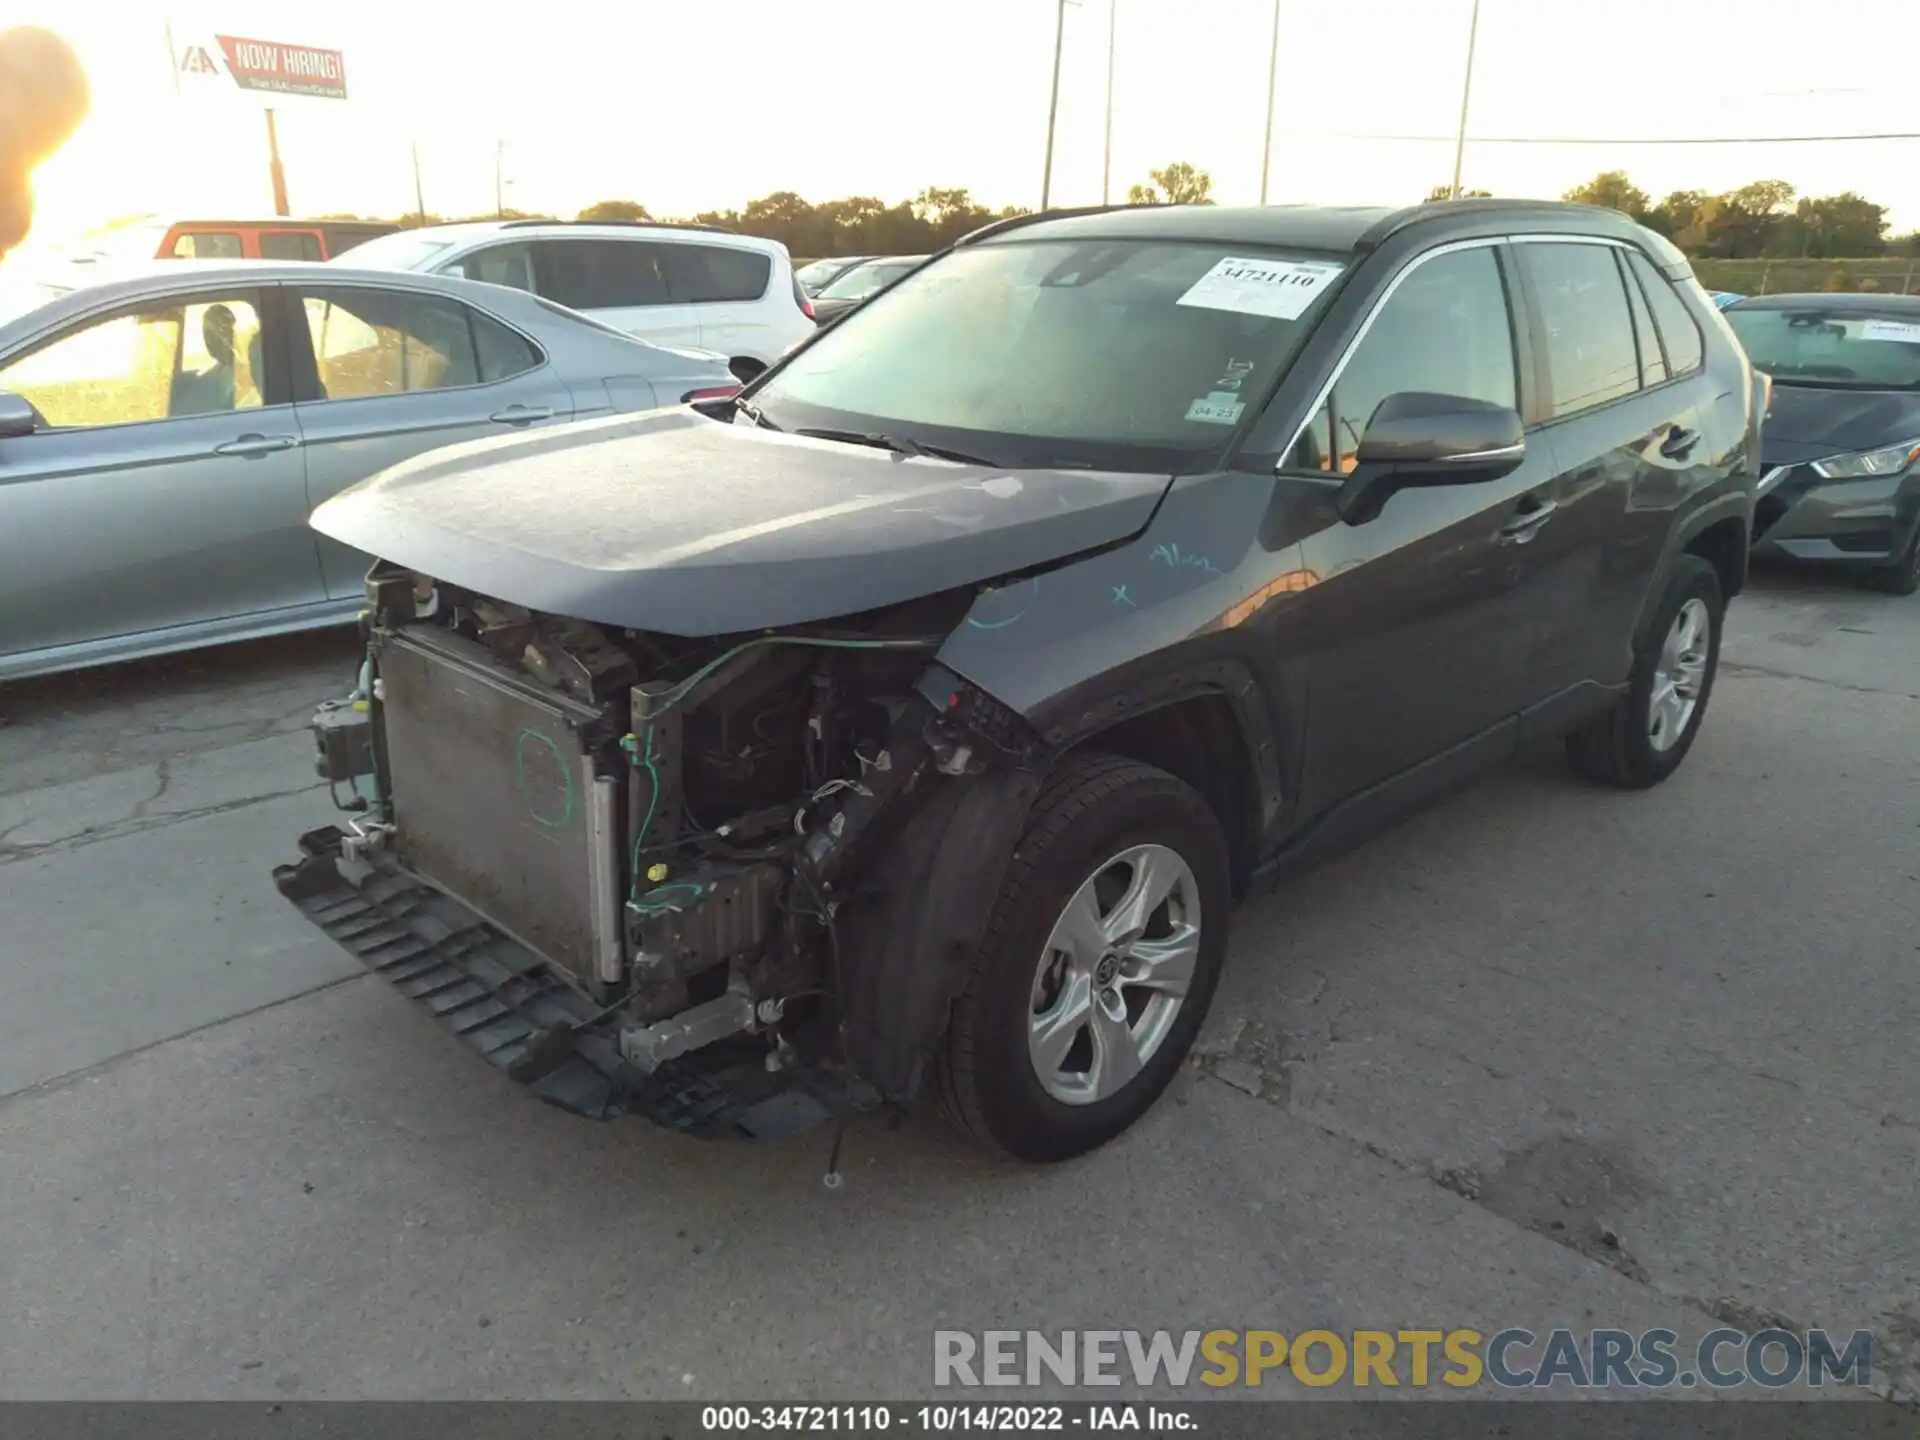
x=1839 y=481
x=861 y=283
x=816 y=275
x=912 y=723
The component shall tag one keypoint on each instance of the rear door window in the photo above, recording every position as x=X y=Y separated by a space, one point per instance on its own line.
x=600 y=274
x=510 y=265
x=705 y=274
x=1686 y=350
x=289 y=245
x=370 y=343
x=1588 y=329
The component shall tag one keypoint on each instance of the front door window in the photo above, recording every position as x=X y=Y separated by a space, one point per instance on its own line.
x=196 y=357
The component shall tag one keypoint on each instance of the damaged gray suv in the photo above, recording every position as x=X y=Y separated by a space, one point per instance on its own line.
x=910 y=723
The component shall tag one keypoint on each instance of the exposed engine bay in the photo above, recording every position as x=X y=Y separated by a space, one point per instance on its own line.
x=672 y=826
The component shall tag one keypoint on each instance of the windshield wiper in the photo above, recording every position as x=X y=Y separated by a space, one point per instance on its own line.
x=898 y=444
x=752 y=412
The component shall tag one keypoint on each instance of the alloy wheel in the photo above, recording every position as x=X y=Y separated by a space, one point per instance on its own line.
x=1113 y=974
x=1679 y=676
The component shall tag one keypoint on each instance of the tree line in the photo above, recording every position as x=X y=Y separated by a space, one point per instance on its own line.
x=1762 y=220
x=858 y=225
x=1767 y=219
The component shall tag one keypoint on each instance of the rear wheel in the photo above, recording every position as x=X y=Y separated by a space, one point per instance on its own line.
x=1643 y=738
x=1098 y=966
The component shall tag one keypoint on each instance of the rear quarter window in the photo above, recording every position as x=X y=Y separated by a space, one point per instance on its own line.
x=709 y=274
x=1686 y=350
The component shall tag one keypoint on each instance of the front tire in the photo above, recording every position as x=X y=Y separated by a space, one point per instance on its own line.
x=1642 y=739
x=1098 y=966
x=1903 y=576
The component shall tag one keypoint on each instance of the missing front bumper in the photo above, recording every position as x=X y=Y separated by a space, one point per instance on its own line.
x=523 y=1016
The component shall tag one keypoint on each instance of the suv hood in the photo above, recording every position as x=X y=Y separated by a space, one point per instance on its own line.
x=673 y=522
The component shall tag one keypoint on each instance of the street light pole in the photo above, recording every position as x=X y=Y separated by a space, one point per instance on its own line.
x=1273 y=79
x=1053 y=105
x=1106 y=156
x=1466 y=93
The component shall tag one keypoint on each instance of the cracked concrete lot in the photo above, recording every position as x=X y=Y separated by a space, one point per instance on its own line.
x=1540 y=1056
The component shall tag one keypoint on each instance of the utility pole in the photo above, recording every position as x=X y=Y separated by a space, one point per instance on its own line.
x=1053 y=105
x=419 y=195
x=1466 y=93
x=1273 y=79
x=499 y=182
x=276 y=169
x=1106 y=155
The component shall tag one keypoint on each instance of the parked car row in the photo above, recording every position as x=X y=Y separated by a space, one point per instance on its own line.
x=1001 y=632
x=861 y=282
x=164 y=436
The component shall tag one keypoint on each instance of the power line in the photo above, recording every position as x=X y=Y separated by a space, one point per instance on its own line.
x=1635 y=140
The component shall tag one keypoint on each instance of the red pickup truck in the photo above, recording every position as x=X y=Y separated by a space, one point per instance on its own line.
x=266 y=239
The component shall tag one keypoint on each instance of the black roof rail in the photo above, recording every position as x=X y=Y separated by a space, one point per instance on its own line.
x=1032 y=217
x=1485 y=205
x=636 y=224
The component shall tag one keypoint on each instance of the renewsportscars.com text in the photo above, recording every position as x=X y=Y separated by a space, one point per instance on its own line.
x=1510 y=1359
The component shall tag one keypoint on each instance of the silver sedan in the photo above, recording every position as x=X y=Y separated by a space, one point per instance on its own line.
x=164 y=436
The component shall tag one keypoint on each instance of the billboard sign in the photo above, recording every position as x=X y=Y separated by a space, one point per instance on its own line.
x=283 y=69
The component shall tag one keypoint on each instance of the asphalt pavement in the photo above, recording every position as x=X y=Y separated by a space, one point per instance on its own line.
x=1541 y=1055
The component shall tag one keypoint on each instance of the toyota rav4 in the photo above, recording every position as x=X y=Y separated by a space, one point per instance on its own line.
x=910 y=723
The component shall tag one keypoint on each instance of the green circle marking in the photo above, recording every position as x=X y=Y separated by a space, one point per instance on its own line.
x=545 y=741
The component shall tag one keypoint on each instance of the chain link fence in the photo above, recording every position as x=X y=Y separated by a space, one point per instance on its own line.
x=1897 y=275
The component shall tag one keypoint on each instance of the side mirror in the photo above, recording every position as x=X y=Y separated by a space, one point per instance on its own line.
x=1416 y=439
x=17 y=417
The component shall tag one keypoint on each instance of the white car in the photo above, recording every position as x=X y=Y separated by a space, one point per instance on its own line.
x=672 y=284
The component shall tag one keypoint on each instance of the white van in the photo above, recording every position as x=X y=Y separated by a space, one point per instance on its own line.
x=684 y=285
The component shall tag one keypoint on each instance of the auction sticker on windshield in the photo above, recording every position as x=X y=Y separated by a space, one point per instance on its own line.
x=1899 y=330
x=1281 y=289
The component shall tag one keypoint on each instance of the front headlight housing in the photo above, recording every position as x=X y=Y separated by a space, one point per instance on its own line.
x=1869 y=464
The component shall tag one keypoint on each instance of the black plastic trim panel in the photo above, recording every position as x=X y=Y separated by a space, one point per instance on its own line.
x=519 y=1014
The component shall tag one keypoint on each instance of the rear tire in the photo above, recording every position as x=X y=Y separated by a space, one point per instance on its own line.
x=1644 y=736
x=1104 y=835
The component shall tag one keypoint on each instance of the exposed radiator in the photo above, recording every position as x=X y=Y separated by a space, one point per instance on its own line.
x=494 y=796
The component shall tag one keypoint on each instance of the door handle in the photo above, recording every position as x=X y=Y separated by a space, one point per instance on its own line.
x=521 y=415
x=1679 y=442
x=252 y=446
x=1523 y=525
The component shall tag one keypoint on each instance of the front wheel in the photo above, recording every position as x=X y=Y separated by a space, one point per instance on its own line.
x=1903 y=576
x=1098 y=966
x=1643 y=738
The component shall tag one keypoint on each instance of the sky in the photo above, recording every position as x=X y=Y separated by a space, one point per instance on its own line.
x=689 y=107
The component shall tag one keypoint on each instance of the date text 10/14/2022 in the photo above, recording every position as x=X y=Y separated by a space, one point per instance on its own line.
x=946 y=1419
